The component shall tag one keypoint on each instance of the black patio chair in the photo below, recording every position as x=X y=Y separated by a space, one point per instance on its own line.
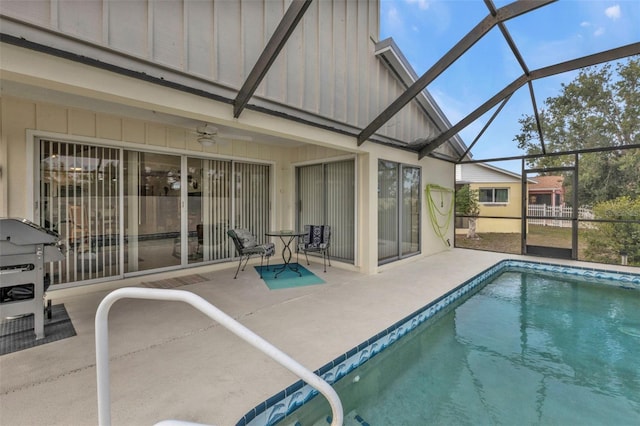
x=247 y=245
x=316 y=239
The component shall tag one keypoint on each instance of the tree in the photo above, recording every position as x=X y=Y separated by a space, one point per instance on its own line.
x=612 y=239
x=467 y=205
x=598 y=109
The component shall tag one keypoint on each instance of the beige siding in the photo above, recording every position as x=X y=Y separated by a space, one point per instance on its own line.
x=478 y=173
x=327 y=68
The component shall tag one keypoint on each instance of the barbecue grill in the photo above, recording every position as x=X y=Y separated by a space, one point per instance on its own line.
x=24 y=249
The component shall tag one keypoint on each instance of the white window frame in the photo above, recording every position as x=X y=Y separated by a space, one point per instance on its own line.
x=493 y=196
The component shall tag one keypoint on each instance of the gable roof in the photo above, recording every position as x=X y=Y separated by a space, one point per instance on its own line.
x=547 y=182
x=485 y=173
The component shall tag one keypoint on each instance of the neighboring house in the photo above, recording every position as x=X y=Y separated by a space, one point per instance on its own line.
x=499 y=193
x=547 y=190
x=140 y=132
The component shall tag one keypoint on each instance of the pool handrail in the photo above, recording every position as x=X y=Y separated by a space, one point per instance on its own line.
x=102 y=346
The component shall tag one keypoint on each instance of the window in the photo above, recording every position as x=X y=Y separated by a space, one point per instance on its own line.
x=494 y=195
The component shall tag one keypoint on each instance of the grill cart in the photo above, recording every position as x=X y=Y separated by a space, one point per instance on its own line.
x=24 y=249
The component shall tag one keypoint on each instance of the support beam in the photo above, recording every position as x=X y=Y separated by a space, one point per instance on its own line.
x=585 y=61
x=503 y=14
x=283 y=31
x=535 y=112
x=486 y=126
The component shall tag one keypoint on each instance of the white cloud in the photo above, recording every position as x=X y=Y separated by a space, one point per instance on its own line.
x=585 y=24
x=422 y=4
x=598 y=32
x=613 y=12
x=393 y=16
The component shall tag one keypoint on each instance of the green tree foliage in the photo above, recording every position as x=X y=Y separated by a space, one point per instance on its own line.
x=599 y=108
x=611 y=239
x=467 y=204
x=467 y=201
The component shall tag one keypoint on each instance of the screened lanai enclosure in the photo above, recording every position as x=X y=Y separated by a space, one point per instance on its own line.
x=540 y=119
x=554 y=211
x=551 y=165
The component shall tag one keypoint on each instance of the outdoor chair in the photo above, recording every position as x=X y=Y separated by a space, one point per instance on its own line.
x=316 y=239
x=247 y=246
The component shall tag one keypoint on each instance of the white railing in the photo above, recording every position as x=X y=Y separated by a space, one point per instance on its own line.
x=102 y=347
x=559 y=213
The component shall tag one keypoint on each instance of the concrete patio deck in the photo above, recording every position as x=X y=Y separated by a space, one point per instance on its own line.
x=168 y=361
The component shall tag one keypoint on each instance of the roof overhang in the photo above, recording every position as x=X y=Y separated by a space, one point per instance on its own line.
x=393 y=58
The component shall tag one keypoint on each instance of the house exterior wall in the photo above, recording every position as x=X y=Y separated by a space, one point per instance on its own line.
x=466 y=173
x=510 y=209
x=50 y=96
x=213 y=45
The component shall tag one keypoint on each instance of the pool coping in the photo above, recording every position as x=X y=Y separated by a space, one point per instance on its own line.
x=293 y=397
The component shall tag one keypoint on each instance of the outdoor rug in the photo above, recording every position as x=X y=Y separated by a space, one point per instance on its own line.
x=288 y=278
x=17 y=334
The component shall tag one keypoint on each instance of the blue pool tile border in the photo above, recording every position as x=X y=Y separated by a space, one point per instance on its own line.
x=285 y=402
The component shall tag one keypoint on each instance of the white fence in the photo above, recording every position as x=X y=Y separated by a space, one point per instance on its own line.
x=543 y=210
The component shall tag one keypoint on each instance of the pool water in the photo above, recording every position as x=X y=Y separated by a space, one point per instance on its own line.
x=527 y=349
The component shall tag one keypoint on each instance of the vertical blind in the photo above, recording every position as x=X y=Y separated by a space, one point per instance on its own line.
x=251 y=203
x=398 y=210
x=326 y=195
x=219 y=209
x=80 y=198
x=410 y=210
x=387 y=209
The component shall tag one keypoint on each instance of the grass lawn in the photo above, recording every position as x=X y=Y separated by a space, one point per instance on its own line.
x=547 y=236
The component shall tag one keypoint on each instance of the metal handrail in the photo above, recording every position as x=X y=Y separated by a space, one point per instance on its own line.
x=102 y=346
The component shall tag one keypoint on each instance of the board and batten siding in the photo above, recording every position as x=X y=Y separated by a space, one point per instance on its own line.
x=327 y=68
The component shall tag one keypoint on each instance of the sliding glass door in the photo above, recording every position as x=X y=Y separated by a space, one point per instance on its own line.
x=410 y=211
x=398 y=211
x=209 y=209
x=124 y=212
x=152 y=210
x=326 y=195
x=251 y=190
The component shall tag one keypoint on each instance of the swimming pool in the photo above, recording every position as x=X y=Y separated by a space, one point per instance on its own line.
x=507 y=355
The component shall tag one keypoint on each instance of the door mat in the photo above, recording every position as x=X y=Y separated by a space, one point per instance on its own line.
x=288 y=278
x=17 y=334
x=175 y=282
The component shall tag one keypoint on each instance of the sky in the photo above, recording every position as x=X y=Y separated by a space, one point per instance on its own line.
x=425 y=30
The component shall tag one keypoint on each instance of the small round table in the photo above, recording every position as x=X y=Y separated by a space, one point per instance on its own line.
x=287 y=237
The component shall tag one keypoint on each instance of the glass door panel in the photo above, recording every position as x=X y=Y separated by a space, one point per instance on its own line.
x=152 y=211
x=209 y=209
x=340 y=195
x=195 y=212
x=410 y=210
x=388 y=177
x=79 y=199
x=326 y=195
x=252 y=198
x=311 y=195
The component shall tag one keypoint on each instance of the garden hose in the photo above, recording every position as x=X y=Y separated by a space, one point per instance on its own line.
x=435 y=212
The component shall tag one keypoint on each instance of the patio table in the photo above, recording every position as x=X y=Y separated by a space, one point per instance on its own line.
x=287 y=237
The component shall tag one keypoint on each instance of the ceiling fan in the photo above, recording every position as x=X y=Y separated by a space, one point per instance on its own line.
x=208 y=135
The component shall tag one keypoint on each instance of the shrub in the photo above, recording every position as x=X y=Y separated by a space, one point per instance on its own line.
x=607 y=242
